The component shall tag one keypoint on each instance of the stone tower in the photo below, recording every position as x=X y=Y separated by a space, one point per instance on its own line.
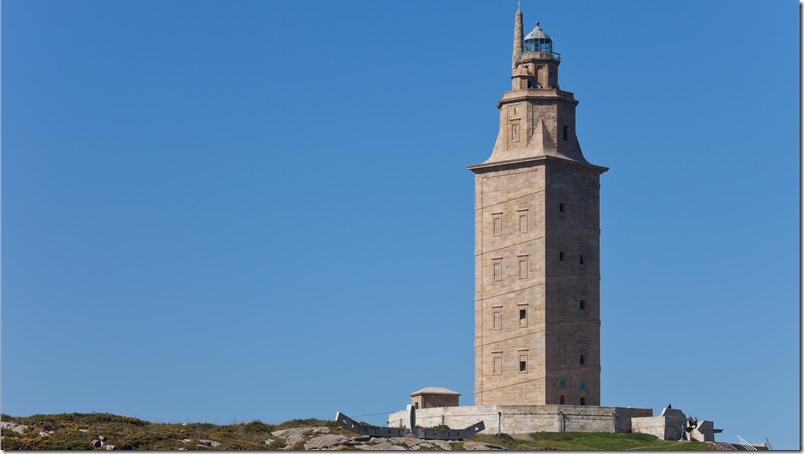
x=537 y=244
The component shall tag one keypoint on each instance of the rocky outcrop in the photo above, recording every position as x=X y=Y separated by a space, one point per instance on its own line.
x=319 y=439
x=16 y=428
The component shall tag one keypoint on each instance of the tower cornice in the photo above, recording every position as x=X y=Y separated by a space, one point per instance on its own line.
x=532 y=162
x=547 y=94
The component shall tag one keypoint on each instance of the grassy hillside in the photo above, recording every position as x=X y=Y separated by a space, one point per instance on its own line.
x=76 y=431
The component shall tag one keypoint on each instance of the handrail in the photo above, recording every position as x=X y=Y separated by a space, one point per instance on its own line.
x=748 y=446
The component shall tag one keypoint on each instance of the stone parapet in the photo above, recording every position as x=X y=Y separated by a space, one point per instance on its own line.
x=523 y=419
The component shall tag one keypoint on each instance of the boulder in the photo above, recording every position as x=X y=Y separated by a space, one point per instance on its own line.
x=16 y=428
x=381 y=446
x=297 y=434
x=212 y=443
x=477 y=446
x=325 y=442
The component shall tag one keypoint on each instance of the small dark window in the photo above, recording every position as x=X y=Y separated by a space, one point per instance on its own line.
x=416 y=405
x=583 y=305
x=583 y=360
x=523 y=366
x=561 y=400
x=523 y=314
x=561 y=207
x=583 y=385
x=566 y=133
x=561 y=256
x=581 y=260
x=583 y=400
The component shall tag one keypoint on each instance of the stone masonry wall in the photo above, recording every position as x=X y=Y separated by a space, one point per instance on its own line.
x=520 y=419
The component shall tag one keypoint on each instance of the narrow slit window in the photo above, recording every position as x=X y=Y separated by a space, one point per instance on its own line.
x=581 y=259
x=523 y=221
x=496 y=224
x=561 y=207
x=497 y=272
x=561 y=400
x=583 y=360
x=561 y=256
x=583 y=400
x=523 y=363
x=497 y=363
x=566 y=133
x=497 y=322
x=523 y=267
x=583 y=305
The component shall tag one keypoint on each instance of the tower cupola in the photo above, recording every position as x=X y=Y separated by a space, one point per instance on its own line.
x=538 y=41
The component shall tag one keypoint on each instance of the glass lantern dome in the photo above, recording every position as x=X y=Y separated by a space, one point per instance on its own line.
x=539 y=41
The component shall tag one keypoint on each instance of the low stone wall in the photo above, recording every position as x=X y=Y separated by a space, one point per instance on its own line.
x=522 y=419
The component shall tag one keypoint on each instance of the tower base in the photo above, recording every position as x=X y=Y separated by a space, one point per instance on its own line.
x=524 y=419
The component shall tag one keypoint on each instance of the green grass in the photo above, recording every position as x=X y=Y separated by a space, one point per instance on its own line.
x=76 y=430
x=584 y=441
x=131 y=433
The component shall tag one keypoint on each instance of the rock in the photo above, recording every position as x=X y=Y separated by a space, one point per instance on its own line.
x=212 y=443
x=441 y=444
x=45 y=433
x=108 y=447
x=295 y=435
x=477 y=446
x=16 y=428
x=325 y=442
x=410 y=441
x=269 y=442
x=381 y=446
x=83 y=430
x=186 y=440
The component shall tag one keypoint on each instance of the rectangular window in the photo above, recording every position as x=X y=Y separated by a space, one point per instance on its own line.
x=497 y=323
x=497 y=273
x=561 y=399
x=497 y=223
x=515 y=132
x=523 y=221
x=583 y=305
x=523 y=363
x=581 y=259
x=523 y=317
x=523 y=266
x=566 y=133
x=583 y=400
x=560 y=207
x=562 y=383
x=583 y=360
x=583 y=385
x=497 y=360
x=561 y=256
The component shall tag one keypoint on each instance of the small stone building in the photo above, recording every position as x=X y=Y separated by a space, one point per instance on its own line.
x=431 y=397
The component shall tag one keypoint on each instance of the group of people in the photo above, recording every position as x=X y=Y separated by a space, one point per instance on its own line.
x=692 y=423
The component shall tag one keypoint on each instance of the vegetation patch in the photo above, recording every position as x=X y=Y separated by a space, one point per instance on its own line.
x=584 y=441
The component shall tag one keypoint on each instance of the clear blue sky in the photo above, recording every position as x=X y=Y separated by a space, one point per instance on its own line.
x=226 y=211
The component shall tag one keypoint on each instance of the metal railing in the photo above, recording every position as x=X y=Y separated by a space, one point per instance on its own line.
x=748 y=446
